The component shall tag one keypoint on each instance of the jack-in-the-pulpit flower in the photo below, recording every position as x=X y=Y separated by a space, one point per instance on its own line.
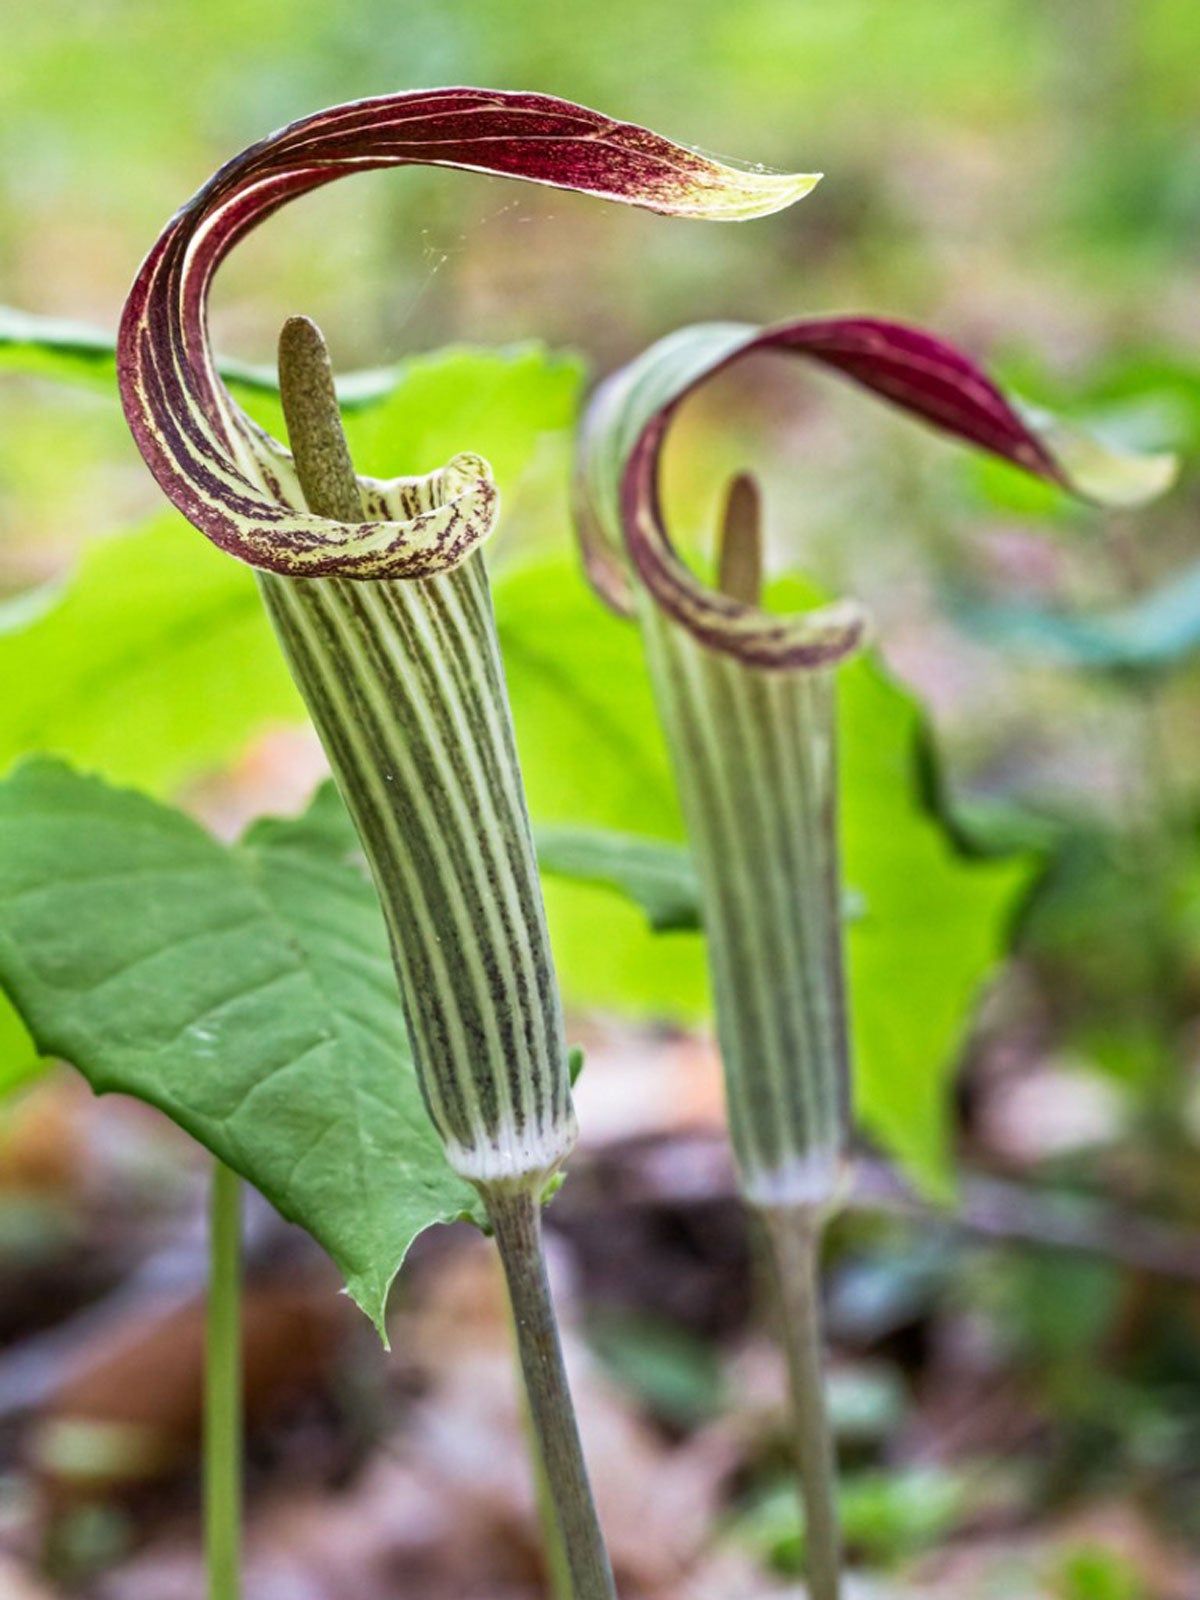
x=747 y=702
x=380 y=599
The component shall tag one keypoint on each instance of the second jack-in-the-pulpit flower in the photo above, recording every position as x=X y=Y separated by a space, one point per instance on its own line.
x=380 y=598
x=747 y=700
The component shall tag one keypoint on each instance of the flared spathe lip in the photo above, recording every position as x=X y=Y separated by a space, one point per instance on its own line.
x=209 y=459
x=617 y=494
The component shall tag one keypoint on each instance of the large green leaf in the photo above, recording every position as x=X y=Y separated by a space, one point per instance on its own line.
x=19 y=1060
x=934 y=923
x=245 y=990
x=930 y=923
x=152 y=662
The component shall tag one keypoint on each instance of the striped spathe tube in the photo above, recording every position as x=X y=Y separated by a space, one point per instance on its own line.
x=405 y=686
x=755 y=762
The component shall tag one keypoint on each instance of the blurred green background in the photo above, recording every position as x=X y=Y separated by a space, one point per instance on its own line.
x=1026 y=173
x=1022 y=175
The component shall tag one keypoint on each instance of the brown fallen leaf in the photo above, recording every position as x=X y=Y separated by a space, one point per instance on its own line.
x=128 y=1405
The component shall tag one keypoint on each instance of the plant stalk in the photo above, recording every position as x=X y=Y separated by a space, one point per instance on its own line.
x=554 y=1550
x=793 y=1235
x=223 y=1390
x=515 y=1215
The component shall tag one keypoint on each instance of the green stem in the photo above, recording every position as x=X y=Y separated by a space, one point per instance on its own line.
x=516 y=1217
x=223 y=1390
x=554 y=1551
x=793 y=1237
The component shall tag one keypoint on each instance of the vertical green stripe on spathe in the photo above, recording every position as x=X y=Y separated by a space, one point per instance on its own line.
x=755 y=760
x=404 y=683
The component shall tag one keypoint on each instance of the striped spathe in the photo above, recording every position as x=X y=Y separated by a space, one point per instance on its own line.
x=755 y=762
x=405 y=686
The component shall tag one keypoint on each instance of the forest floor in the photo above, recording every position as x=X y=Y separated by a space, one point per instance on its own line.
x=971 y=1472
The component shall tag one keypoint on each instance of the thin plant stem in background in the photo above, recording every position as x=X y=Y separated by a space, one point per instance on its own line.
x=223 y=1389
x=533 y=1145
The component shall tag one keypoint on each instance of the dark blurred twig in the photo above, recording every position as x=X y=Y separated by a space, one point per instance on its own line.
x=698 y=1168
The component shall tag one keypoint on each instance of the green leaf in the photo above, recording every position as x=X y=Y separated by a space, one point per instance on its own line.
x=888 y=1516
x=934 y=926
x=1096 y=1573
x=152 y=662
x=247 y=991
x=19 y=1059
x=497 y=403
x=75 y=352
x=81 y=353
x=658 y=877
x=78 y=352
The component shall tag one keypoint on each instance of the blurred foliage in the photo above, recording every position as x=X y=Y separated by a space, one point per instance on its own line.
x=887 y=1517
x=1094 y=1574
x=150 y=662
x=675 y=1375
x=19 y=1059
x=1084 y=109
